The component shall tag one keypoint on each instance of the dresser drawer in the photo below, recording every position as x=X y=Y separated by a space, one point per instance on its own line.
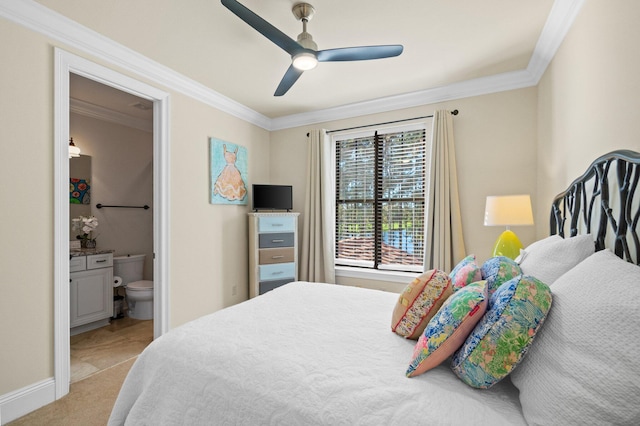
x=276 y=239
x=96 y=261
x=276 y=224
x=277 y=271
x=275 y=255
x=78 y=263
x=266 y=286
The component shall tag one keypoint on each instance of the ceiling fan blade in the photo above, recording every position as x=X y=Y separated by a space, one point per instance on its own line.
x=291 y=76
x=263 y=27
x=361 y=53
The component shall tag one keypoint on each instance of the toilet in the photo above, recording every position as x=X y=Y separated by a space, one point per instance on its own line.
x=139 y=292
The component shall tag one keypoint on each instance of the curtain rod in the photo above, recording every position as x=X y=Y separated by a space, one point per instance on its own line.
x=454 y=112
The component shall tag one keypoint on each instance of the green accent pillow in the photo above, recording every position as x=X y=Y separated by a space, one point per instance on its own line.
x=499 y=270
x=501 y=339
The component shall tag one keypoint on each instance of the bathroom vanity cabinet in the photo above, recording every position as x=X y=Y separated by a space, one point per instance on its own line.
x=273 y=251
x=90 y=291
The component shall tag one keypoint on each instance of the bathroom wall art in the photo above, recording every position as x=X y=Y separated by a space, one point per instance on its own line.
x=229 y=174
x=79 y=191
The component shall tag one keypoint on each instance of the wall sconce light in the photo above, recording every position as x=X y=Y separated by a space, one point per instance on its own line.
x=508 y=210
x=74 y=151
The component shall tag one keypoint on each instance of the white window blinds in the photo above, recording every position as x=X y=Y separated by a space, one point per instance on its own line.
x=380 y=199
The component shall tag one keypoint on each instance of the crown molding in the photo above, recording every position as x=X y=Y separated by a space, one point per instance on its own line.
x=563 y=14
x=476 y=87
x=105 y=114
x=43 y=20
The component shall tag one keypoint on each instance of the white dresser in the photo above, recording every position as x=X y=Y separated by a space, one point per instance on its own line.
x=90 y=291
x=273 y=251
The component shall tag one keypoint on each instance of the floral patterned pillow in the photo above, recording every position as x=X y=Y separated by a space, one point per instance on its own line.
x=499 y=270
x=449 y=328
x=503 y=336
x=419 y=302
x=465 y=272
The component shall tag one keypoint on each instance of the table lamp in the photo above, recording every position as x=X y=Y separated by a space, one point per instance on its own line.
x=508 y=210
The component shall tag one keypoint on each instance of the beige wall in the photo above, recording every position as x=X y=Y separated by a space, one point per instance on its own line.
x=26 y=197
x=495 y=150
x=589 y=97
x=208 y=243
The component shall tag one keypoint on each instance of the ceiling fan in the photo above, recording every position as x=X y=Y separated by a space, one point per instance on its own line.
x=304 y=53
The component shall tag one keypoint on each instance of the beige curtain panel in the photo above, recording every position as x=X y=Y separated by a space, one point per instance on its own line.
x=316 y=257
x=444 y=245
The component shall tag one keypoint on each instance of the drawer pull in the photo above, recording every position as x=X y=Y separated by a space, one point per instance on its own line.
x=277 y=241
x=277 y=273
x=277 y=257
x=101 y=261
x=277 y=224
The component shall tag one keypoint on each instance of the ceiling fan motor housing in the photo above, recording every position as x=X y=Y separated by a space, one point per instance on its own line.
x=306 y=40
x=303 y=11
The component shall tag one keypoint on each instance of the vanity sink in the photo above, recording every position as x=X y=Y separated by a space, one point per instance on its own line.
x=90 y=289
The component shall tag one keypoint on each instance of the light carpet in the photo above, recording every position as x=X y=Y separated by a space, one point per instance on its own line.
x=88 y=403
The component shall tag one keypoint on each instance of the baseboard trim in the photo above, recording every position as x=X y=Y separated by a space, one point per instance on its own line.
x=18 y=403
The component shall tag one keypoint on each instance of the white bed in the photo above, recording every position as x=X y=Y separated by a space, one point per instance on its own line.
x=303 y=354
x=310 y=353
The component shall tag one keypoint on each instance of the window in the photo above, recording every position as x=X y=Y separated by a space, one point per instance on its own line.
x=380 y=199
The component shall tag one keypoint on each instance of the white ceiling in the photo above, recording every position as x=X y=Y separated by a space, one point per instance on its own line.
x=445 y=43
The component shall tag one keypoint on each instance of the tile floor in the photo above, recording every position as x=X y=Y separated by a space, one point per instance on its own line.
x=96 y=350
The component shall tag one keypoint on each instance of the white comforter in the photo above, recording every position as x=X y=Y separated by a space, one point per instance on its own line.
x=303 y=354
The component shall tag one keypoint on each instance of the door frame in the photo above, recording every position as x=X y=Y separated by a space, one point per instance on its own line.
x=66 y=63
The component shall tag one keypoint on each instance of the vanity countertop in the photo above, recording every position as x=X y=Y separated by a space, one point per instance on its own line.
x=88 y=251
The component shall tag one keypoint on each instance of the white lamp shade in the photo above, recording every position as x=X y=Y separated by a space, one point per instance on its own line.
x=508 y=210
x=74 y=151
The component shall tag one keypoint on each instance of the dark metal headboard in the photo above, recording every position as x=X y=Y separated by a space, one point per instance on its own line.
x=602 y=202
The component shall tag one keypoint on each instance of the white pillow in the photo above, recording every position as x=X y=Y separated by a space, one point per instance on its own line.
x=583 y=366
x=551 y=257
x=538 y=245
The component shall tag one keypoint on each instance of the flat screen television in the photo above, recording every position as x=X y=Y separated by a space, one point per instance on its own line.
x=272 y=197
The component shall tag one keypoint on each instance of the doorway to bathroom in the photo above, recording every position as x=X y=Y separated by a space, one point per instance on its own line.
x=129 y=153
x=112 y=180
